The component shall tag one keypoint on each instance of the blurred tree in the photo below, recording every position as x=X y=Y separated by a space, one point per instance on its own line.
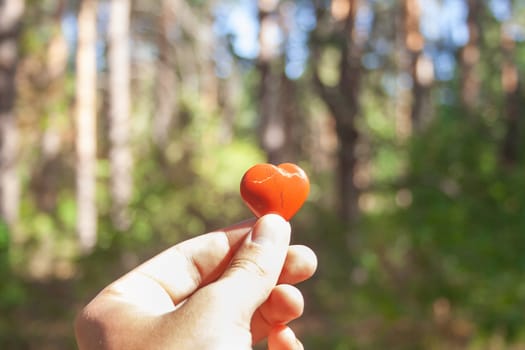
x=166 y=89
x=120 y=155
x=438 y=264
x=86 y=115
x=421 y=66
x=292 y=119
x=338 y=26
x=47 y=70
x=272 y=129
x=11 y=12
x=469 y=57
x=513 y=98
x=403 y=25
x=195 y=64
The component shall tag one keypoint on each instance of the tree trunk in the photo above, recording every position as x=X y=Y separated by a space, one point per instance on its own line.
x=403 y=99
x=120 y=154
x=86 y=113
x=271 y=133
x=289 y=111
x=469 y=58
x=166 y=81
x=423 y=78
x=225 y=101
x=343 y=102
x=421 y=67
x=45 y=177
x=10 y=14
x=513 y=101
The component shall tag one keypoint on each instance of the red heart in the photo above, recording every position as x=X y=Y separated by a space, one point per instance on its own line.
x=282 y=189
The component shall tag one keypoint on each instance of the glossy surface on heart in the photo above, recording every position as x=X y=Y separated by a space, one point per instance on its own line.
x=270 y=189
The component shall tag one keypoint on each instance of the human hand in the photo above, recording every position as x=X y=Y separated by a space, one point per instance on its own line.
x=224 y=290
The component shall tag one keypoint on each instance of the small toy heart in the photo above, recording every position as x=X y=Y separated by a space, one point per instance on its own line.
x=270 y=189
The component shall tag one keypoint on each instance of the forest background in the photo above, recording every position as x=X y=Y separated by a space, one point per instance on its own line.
x=125 y=127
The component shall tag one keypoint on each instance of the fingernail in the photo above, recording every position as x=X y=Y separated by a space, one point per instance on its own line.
x=270 y=229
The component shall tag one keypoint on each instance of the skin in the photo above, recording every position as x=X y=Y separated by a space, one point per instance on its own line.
x=227 y=289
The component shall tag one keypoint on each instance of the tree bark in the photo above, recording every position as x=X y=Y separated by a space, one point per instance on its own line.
x=343 y=102
x=289 y=111
x=120 y=154
x=513 y=102
x=469 y=58
x=10 y=14
x=86 y=113
x=421 y=67
x=227 y=111
x=403 y=99
x=166 y=81
x=271 y=133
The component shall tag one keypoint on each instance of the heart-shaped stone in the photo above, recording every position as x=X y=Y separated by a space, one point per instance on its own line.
x=270 y=189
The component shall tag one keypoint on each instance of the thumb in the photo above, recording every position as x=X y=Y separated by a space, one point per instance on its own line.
x=256 y=266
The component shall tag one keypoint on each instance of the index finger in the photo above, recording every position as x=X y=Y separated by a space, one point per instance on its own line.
x=189 y=265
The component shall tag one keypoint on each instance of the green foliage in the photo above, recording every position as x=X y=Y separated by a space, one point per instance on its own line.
x=452 y=245
x=12 y=293
x=434 y=262
x=467 y=220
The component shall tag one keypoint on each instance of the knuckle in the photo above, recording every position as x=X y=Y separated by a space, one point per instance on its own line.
x=249 y=265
